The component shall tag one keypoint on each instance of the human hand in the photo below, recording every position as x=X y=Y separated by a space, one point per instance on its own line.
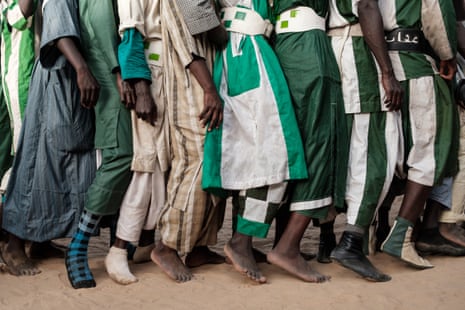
x=89 y=88
x=128 y=94
x=394 y=93
x=212 y=110
x=144 y=104
x=447 y=68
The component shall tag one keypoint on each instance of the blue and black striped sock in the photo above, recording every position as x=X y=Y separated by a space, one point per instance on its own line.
x=77 y=266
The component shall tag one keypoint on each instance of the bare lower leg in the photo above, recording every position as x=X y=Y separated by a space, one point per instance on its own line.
x=281 y=220
x=453 y=233
x=145 y=247
x=169 y=261
x=414 y=201
x=431 y=215
x=239 y=252
x=286 y=254
x=15 y=258
x=147 y=237
x=120 y=243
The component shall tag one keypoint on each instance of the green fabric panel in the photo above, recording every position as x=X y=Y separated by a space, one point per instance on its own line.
x=448 y=15
x=99 y=31
x=320 y=213
x=319 y=6
x=415 y=65
x=26 y=56
x=251 y=228
x=260 y=193
x=344 y=8
x=375 y=169
x=396 y=238
x=131 y=56
x=211 y=176
x=446 y=145
x=6 y=139
x=367 y=76
x=242 y=74
x=112 y=178
x=408 y=13
x=271 y=212
x=99 y=40
x=296 y=162
x=6 y=50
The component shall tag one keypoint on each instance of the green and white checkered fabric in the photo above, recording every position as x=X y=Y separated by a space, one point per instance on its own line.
x=257 y=208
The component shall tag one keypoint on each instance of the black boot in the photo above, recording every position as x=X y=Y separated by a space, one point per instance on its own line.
x=349 y=253
x=327 y=244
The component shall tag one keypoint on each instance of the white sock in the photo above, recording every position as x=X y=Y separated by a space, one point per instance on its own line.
x=117 y=266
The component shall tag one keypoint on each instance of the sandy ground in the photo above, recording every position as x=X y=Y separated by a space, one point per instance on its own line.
x=220 y=287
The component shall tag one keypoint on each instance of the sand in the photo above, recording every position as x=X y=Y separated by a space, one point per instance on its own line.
x=220 y=287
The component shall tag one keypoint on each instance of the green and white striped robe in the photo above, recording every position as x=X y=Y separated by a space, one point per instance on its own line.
x=17 y=61
x=430 y=121
x=258 y=142
x=375 y=143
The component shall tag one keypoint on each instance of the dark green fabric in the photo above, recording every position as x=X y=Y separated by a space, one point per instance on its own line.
x=112 y=178
x=319 y=6
x=315 y=88
x=320 y=213
x=6 y=138
x=99 y=40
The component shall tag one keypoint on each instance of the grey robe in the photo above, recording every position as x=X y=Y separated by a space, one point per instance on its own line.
x=55 y=161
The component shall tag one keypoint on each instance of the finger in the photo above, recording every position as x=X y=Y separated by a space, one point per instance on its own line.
x=206 y=117
x=213 y=121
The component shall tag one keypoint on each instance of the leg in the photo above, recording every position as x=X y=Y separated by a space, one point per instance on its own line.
x=145 y=246
x=287 y=255
x=431 y=240
x=399 y=241
x=327 y=242
x=374 y=149
x=15 y=257
x=202 y=255
x=259 y=256
x=77 y=266
x=116 y=263
x=169 y=261
x=239 y=252
x=349 y=253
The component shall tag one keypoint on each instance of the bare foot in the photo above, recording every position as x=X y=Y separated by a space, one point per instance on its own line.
x=142 y=254
x=258 y=255
x=46 y=250
x=202 y=255
x=244 y=262
x=453 y=233
x=168 y=260
x=297 y=266
x=18 y=264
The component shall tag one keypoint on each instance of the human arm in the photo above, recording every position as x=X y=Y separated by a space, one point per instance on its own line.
x=27 y=7
x=212 y=107
x=88 y=86
x=136 y=73
x=439 y=26
x=372 y=27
